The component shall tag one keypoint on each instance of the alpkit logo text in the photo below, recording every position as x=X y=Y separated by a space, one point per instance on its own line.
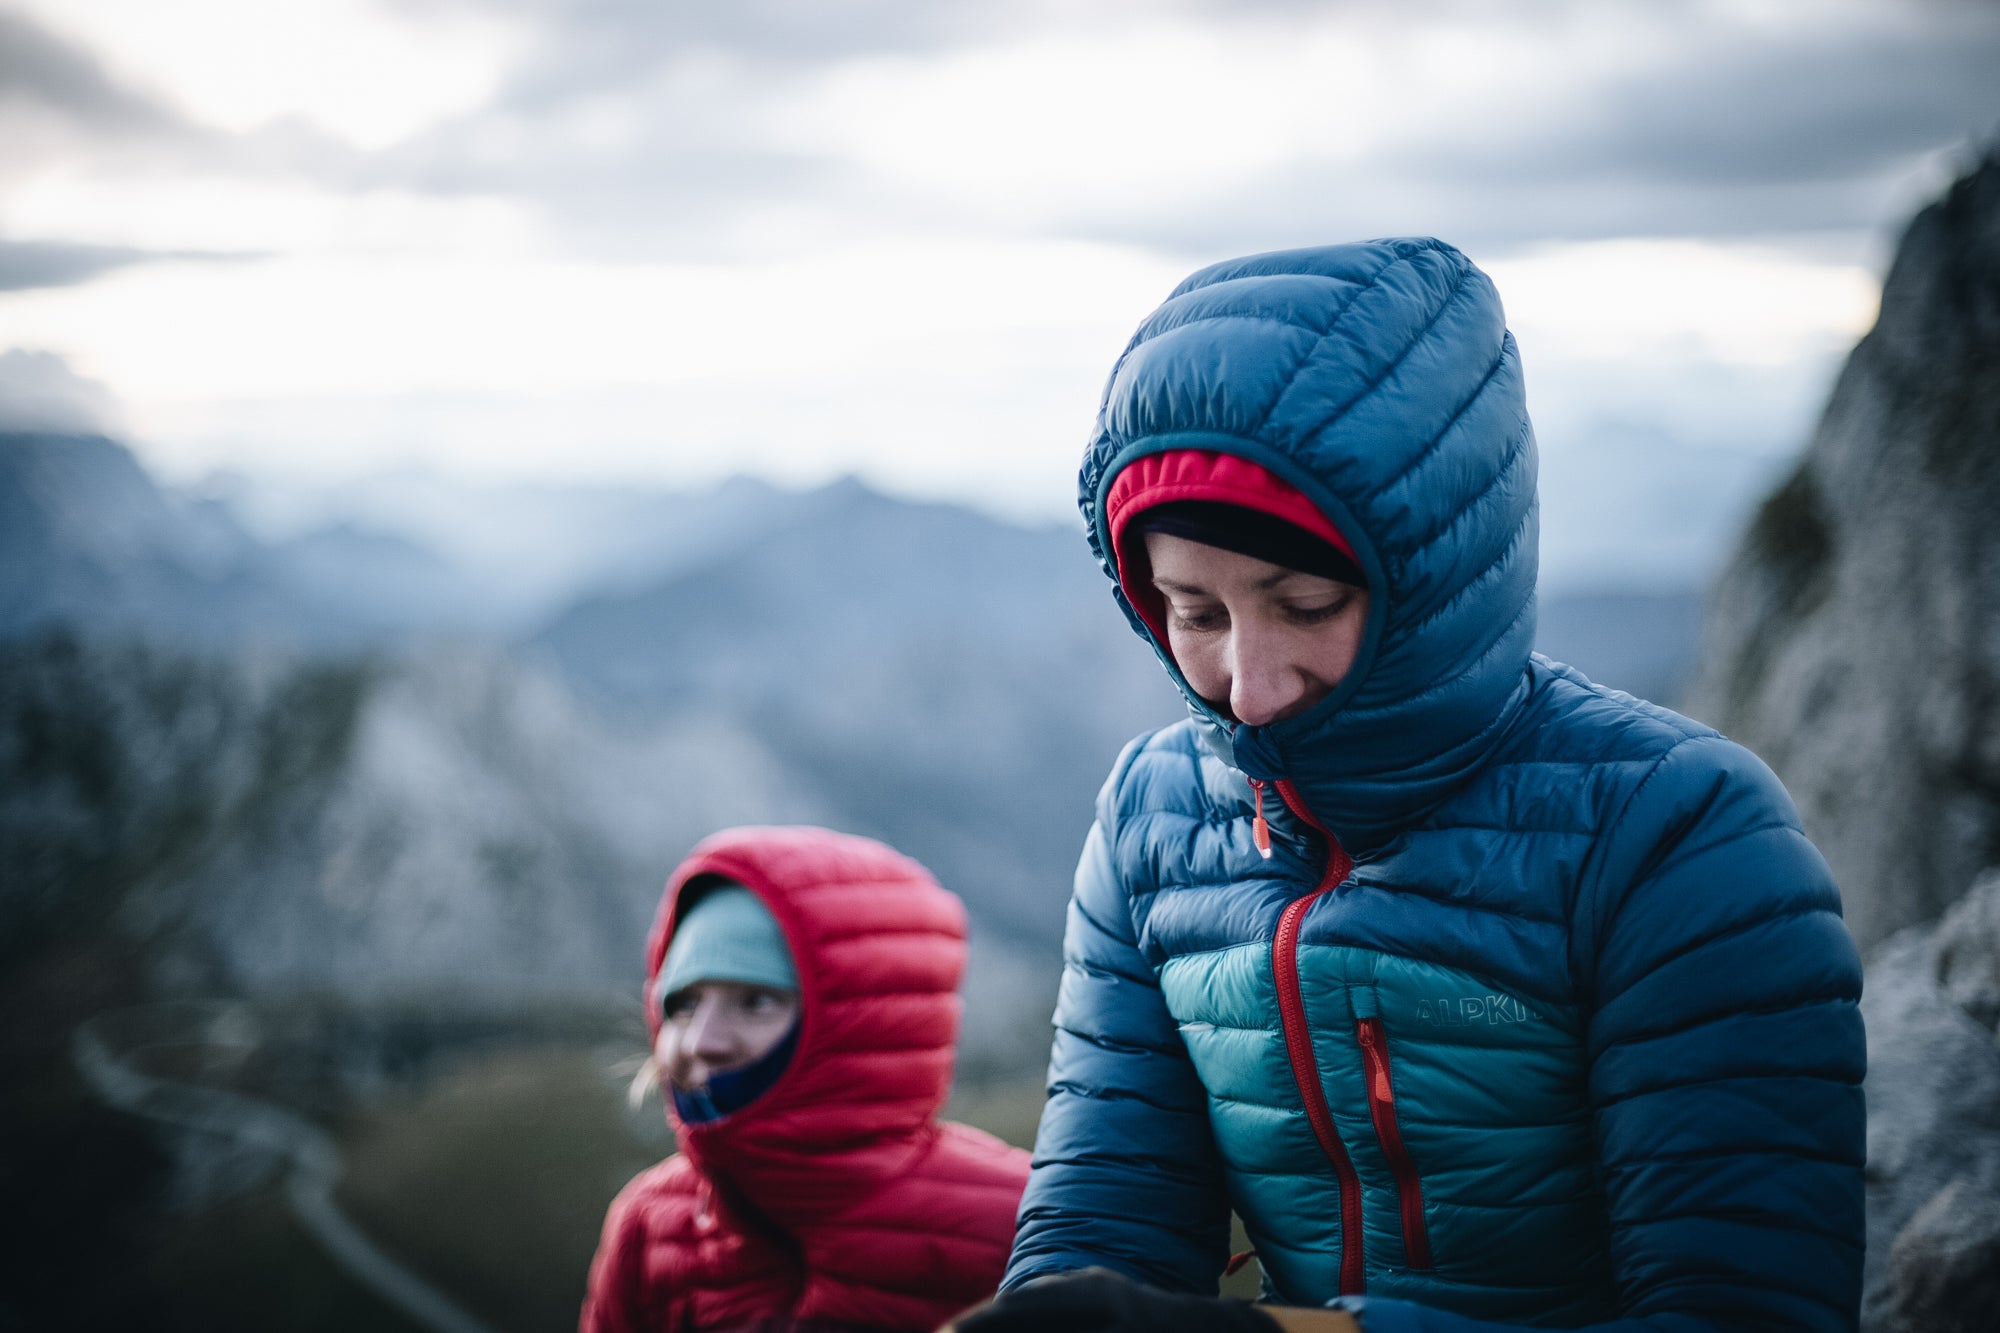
x=1458 y=1013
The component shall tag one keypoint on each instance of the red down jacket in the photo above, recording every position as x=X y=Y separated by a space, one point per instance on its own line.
x=837 y=1199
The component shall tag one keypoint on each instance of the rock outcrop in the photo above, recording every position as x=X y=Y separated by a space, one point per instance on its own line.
x=1854 y=640
x=1932 y=1004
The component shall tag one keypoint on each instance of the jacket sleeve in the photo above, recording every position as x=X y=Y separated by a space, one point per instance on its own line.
x=1726 y=1059
x=1125 y=1173
x=611 y=1302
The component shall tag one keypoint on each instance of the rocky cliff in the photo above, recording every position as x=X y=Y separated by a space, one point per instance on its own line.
x=1932 y=1007
x=1854 y=640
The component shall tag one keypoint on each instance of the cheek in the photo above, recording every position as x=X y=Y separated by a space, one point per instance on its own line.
x=1201 y=660
x=1339 y=646
x=670 y=1051
x=769 y=1031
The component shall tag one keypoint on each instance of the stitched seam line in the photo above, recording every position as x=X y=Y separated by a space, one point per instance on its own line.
x=1457 y=416
x=1760 y=1011
x=1517 y=445
x=1374 y=281
x=1737 y=928
x=1605 y=1103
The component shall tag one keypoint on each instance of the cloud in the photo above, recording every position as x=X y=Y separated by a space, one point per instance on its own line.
x=646 y=130
x=642 y=130
x=60 y=107
x=1314 y=203
x=1701 y=126
x=1745 y=108
x=38 y=66
x=663 y=171
x=40 y=394
x=27 y=265
x=584 y=49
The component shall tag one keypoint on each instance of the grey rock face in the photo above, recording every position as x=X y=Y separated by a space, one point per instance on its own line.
x=1969 y=953
x=443 y=830
x=1934 y=1123
x=441 y=837
x=1854 y=640
x=1945 y=1267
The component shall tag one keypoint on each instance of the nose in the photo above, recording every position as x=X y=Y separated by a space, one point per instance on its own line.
x=1263 y=686
x=712 y=1034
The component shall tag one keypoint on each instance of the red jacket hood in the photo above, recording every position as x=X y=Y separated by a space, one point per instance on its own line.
x=879 y=948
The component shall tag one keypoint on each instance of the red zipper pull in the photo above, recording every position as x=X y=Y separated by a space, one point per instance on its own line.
x=1260 y=831
x=1378 y=1068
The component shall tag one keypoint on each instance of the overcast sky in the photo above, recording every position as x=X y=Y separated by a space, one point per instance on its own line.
x=662 y=240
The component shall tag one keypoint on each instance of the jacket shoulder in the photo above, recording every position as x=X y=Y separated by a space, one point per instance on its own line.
x=977 y=1158
x=659 y=1201
x=960 y=1192
x=671 y=1249
x=931 y=1241
x=1572 y=717
x=1626 y=768
x=1696 y=843
x=1167 y=771
x=623 y=1293
x=1663 y=775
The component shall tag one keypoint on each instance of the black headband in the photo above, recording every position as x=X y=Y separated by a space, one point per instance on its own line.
x=1253 y=533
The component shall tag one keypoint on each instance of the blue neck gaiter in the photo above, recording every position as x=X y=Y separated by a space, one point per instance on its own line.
x=730 y=1092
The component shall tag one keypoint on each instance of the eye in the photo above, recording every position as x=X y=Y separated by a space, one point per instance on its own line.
x=679 y=1007
x=1319 y=613
x=764 y=1002
x=1200 y=620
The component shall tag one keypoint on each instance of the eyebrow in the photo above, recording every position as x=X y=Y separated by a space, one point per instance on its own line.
x=1264 y=584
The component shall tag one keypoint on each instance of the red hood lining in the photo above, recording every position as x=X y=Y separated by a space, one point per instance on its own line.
x=789 y=870
x=1196 y=474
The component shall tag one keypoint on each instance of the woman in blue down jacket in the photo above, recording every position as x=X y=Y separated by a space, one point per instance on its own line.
x=1535 y=1006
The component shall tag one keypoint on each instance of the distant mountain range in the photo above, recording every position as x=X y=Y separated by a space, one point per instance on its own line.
x=1640 y=640
x=523 y=551
x=383 y=761
x=88 y=540
x=956 y=685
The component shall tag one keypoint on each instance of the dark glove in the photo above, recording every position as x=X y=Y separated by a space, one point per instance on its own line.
x=1098 y=1300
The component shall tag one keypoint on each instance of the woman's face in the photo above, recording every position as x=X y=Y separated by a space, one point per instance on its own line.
x=1259 y=642
x=713 y=1027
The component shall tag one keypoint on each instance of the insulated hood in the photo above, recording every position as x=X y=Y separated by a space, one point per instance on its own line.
x=1380 y=380
x=879 y=949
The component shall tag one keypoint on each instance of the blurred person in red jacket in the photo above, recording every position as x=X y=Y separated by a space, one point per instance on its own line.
x=801 y=989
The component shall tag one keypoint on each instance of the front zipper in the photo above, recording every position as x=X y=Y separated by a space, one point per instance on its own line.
x=1382 y=1106
x=1298 y=1035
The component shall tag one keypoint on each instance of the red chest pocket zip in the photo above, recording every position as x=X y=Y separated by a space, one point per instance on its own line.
x=1298 y=1033
x=1382 y=1106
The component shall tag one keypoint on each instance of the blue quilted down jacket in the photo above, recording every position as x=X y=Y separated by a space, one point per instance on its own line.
x=1542 y=1011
